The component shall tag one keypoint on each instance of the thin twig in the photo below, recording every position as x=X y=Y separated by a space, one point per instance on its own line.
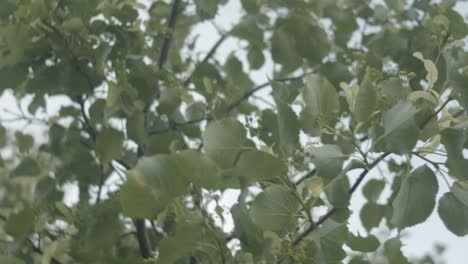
x=229 y=108
x=246 y=95
x=330 y=213
x=306 y=176
x=210 y=54
x=164 y=52
x=142 y=237
x=39 y=251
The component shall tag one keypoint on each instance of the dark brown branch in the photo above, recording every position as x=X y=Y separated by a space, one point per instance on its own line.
x=171 y=23
x=142 y=237
x=210 y=54
x=141 y=231
x=306 y=176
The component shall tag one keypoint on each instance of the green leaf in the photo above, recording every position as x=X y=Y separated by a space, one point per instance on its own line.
x=371 y=215
x=200 y=169
x=337 y=191
x=321 y=99
x=453 y=209
x=136 y=128
x=109 y=144
x=259 y=165
x=223 y=140
x=181 y=244
x=415 y=200
x=363 y=244
x=401 y=132
x=327 y=245
x=138 y=200
x=288 y=125
x=163 y=173
x=244 y=229
x=74 y=24
x=20 y=225
x=207 y=9
x=373 y=189
x=298 y=37
x=328 y=159
x=11 y=260
x=453 y=140
x=393 y=251
x=432 y=73
x=274 y=209
x=27 y=167
x=392 y=91
x=25 y=142
x=366 y=100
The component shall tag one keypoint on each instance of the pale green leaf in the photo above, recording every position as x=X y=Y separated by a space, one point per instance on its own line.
x=351 y=92
x=432 y=73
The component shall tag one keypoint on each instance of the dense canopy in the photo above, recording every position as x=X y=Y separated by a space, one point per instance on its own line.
x=155 y=132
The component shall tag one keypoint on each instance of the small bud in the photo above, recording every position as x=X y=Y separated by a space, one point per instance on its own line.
x=411 y=75
x=433 y=37
x=451 y=39
x=443 y=33
x=348 y=61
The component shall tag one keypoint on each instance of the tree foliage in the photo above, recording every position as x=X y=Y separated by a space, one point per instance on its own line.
x=156 y=134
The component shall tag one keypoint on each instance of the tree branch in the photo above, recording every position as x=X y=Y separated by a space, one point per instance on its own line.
x=247 y=95
x=164 y=52
x=210 y=54
x=229 y=108
x=330 y=213
x=142 y=237
x=306 y=176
